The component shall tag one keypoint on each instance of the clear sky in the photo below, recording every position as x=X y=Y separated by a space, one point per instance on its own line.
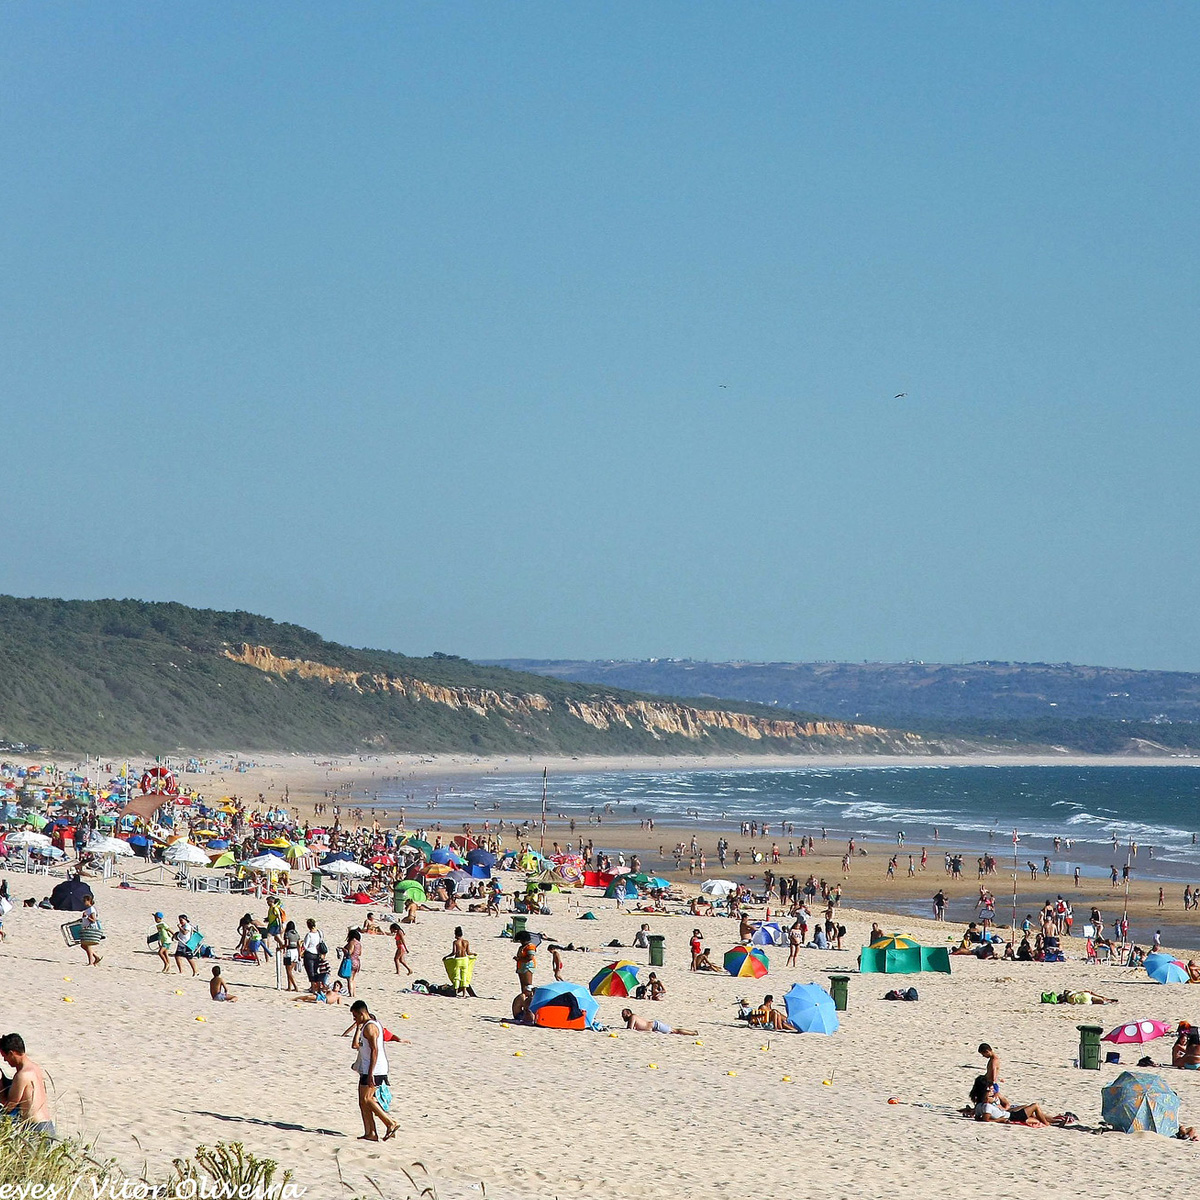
x=573 y=330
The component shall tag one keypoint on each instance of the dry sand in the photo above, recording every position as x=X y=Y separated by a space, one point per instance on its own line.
x=528 y=1113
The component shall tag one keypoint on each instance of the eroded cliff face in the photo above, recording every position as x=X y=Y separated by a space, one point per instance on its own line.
x=660 y=718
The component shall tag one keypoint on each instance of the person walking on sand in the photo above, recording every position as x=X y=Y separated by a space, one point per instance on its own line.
x=291 y=955
x=183 y=952
x=526 y=960
x=371 y=1065
x=163 y=934
x=90 y=933
x=351 y=959
x=400 y=958
x=556 y=963
x=25 y=1099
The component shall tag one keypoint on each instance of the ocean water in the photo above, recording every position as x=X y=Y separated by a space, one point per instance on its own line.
x=972 y=807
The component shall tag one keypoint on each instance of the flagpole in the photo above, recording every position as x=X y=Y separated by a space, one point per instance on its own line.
x=545 y=779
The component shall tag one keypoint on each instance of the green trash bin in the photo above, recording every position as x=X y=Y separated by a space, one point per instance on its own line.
x=658 y=944
x=518 y=924
x=1089 y=1047
x=839 y=989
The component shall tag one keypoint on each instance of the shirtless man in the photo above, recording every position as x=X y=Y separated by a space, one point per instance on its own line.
x=26 y=1092
x=646 y=1025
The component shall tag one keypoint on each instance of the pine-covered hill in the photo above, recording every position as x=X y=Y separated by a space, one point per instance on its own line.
x=130 y=676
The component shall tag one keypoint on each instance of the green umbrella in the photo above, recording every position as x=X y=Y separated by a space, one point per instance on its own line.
x=36 y=820
x=424 y=847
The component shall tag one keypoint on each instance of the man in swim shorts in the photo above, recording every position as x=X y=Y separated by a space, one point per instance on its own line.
x=25 y=1097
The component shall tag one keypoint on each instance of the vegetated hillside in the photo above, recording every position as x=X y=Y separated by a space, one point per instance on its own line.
x=132 y=676
x=1088 y=709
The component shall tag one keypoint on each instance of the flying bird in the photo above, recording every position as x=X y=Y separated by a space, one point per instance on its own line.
x=900 y=396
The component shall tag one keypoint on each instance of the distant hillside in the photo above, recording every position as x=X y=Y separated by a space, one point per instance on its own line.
x=1089 y=709
x=131 y=676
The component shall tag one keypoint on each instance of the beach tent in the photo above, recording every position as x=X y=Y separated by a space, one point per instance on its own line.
x=748 y=961
x=810 y=1008
x=621 y=888
x=1137 y=1100
x=769 y=934
x=563 y=1006
x=617 y=979
x=406 y=890
x=907 y=960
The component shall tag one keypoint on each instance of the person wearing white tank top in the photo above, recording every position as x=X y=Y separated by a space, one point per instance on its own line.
x=371 y=1066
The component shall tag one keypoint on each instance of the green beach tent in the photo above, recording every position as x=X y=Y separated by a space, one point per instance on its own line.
x=906 y=960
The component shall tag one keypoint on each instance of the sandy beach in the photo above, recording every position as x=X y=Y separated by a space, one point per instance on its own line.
x=542 y=1113
x=146 y=1064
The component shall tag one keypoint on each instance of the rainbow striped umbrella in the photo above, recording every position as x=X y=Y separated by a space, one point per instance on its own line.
x=617 y=979
x=748 y=961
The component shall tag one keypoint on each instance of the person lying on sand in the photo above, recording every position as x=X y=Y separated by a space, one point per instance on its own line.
x=988 y=1105
x=1085 y=997
x=646 y=1025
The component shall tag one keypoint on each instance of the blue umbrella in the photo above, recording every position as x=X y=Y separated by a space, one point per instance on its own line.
x=768 y=934
x=340 y=856
x=810 y=1008
x=1170 y=971
x=569 y=1002
x=1139 y=1100
x=481 y=858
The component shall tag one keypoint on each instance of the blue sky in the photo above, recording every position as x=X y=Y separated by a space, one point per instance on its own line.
x=574 y=330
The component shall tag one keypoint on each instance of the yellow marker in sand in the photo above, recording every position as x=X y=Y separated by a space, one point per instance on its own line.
x=787 y=1079
x=404 y=1016
x=612 y=1035
x=67 y=979
x=68 y=1000
x=518 y=1054
x=730 y=1072
x=201 y=1018
x=652 y=1066
x=505 y=1025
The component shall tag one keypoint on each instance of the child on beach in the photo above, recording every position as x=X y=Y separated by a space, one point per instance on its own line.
x=400 y=958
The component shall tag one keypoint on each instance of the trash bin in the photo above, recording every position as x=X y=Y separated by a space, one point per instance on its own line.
x=657 y=948
x=839 y=989
x=1089 y=1047
x=518 y=924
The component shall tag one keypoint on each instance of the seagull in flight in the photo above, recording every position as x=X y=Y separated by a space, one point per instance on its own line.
x=900 y=396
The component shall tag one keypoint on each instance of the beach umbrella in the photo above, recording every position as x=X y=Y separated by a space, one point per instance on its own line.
x=295 y=850
x=481 y=858
x=460 y=879
x=352 y=869
x=338 y=856
x=896 y=941
x=810 y=1008
x=383 y=860
x=563 y=1006
x=570 y=872
x=417 y=844
x=718 y=887
x=109 y=846
x=617 y=979
x=1155 y=957
x=445 y=856
x=768 y=934
x=1137 y=1032
x=267 y=862
x=224 y=859
x=185 y=853
x=1171 y=971
x=1141 y=1101
x=747 y=961
x=219 y=844
x=27 y=838
x=35 y=820
x=70 y=895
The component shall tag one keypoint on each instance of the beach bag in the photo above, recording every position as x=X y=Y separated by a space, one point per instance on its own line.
x=911 y=994
x=1049 y=997
x=346 y=969
x=383 y=1094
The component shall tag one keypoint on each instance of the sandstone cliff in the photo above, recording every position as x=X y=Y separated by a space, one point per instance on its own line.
x=661 y=719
